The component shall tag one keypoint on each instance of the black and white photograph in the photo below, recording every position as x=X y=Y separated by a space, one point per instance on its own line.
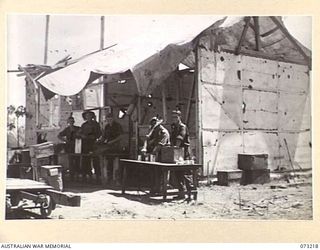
x=158 y=117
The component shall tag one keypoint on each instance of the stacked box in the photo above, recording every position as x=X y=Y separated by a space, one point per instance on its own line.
x=252 y=162
x=259 y=176
x=225 y=177
x=52 y=175
x=254 y=168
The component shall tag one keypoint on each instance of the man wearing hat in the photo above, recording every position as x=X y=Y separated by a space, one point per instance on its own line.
x=89 y=132
x=157 y=137
x=180 y=138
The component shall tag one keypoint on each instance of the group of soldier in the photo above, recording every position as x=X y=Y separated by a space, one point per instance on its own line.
x=95 y=141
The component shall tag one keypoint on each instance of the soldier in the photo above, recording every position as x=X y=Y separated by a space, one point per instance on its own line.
x=69 y=135
x=180 y=138
x=157 y=137
x=89 y=132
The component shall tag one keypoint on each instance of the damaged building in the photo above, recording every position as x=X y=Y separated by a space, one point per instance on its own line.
x=244 y=89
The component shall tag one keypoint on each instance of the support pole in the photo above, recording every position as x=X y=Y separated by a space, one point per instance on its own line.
x=243 y=35
x=257 y=32
x=199 y=149
x=164 y=103
x=45 y=61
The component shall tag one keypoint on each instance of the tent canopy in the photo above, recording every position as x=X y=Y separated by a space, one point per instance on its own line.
x=151 y=57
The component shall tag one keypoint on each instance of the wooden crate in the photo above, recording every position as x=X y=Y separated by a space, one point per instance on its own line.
x=258 y=176
x=42 y=150
x=252 y=162
x=229 y=175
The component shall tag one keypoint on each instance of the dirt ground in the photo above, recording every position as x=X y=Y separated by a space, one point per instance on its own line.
x=275 y=200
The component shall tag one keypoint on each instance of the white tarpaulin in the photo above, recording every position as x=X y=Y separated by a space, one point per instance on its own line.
x=151 y=57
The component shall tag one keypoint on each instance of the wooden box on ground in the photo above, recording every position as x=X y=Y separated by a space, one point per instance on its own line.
x=171 y=154
x=225 y=177
x=252 y=162
x=52 y=175
x=258 y=176
x=20 y=170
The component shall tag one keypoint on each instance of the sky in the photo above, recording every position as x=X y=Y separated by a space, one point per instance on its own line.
x=78 y=35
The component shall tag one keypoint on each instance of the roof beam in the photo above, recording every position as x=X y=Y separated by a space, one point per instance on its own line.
x=291 y=39
x=257 y=32
x=243 y=35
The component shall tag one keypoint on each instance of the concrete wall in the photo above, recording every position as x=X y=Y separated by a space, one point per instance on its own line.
x=249 y=105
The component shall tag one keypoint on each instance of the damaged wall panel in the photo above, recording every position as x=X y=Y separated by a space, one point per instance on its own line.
x=267 y=103
x=222 y=107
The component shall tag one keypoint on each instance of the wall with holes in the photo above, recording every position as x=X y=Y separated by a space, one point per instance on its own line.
x=252 y=105
x=52 y=116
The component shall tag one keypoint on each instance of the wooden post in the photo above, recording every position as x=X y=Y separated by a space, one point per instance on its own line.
x=101 y=32
x=199 y=148
x=291 y=39
x=178 y=88
x=191 y=94
x=164 y=103
x=243 y=35
x=257 y=32
x=46 y=40
x=102 y=86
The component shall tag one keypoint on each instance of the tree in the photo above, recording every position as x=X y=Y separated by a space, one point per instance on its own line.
x=19 y=112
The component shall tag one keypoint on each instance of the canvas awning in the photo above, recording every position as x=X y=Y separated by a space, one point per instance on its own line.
x=151 y=57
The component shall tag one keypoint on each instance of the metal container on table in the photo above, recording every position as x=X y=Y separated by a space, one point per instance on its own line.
x=171 y=154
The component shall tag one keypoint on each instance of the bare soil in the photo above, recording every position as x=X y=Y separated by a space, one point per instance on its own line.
x=278 y=200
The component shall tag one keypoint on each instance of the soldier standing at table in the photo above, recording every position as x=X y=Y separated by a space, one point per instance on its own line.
x=89 y=132
x=69 y=135
x=109 y=142
x=180 y=138
x=157 y=137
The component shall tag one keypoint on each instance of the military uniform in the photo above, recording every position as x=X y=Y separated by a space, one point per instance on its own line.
x=179 y=132
x=90 y=131
x=70 y=134
x=180 y=138
x=159 y=137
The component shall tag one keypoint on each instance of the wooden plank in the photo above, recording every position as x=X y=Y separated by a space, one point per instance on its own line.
x=25 y=184
x=199 y=149
x=45 y=60
x=257 y=32
x=164 y=103
x=65 y=199
x=190 y=100
x=243 y=35
x=259 y=54
x=291 y=39
x=270 y=32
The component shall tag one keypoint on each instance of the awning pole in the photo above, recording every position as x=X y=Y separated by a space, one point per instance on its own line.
x=164 y=103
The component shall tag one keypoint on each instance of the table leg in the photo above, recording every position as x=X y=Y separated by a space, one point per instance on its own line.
x=103 y=167
x=195 y=184
x=165 y=184
x=124 y=179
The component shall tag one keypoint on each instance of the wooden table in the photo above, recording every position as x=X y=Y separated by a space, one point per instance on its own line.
x=164 y=169
x=103 y=161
